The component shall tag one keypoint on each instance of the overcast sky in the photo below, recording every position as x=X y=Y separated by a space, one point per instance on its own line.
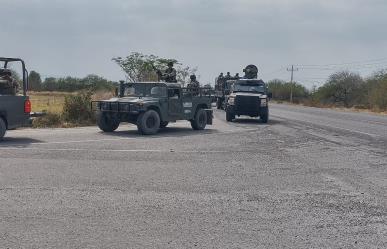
x=79 y=37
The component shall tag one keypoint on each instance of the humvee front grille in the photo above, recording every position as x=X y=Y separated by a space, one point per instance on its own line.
x=247 y=104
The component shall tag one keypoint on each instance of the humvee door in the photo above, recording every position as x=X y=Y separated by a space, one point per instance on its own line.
x=174 y=102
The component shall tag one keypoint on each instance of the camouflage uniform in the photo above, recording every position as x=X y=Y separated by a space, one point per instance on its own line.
x=194 y=85
x=8 y=85
x=169 y=75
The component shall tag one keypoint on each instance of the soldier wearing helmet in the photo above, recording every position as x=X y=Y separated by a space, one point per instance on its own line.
x=194 y=85
x=169 y=75
x=8 y=85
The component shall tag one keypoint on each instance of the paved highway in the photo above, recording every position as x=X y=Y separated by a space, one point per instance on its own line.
x=311 y=178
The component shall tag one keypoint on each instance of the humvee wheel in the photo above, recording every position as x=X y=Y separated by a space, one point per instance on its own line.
x=229 y=116
x=107 y=123
x=265 y=116
x=200 y=120
x=148 y=123
x=164 y=124
x=3 y=128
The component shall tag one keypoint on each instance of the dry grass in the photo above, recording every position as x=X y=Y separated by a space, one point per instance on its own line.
x=52 y=102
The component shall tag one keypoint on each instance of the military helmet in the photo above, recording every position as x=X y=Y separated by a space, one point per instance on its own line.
x=192 y=77
x=170 y=64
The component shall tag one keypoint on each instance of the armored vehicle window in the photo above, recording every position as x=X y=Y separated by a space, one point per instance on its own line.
x=173 y=93
x=139 y=90
x=159 y=91
x=249 y=86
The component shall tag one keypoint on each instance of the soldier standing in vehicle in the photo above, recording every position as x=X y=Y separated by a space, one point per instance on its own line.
x=8 y=85
x=169 y=75
x=194 y=85
x=237 y=76
x=228 y=76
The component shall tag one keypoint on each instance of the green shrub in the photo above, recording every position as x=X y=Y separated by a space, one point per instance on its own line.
x=77 y=109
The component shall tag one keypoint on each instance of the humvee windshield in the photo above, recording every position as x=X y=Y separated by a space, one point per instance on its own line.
x=249 y=86
x=145 y=90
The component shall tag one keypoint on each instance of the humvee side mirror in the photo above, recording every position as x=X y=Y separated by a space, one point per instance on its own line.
x=270 y=95
x=121 y=89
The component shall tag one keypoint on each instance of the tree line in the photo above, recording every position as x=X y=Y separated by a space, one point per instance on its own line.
x=342 y=89
x=68 y=84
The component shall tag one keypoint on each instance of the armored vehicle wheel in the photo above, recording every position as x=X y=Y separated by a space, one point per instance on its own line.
x=265 y=116
x=229 y=116
x=107 y=123
x=3 y=128
x=164 y=124
x=148 y=123
x=200 y=121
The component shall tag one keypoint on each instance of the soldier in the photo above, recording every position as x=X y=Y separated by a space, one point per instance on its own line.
x=236 y=76
x=8 y=85
x=228 y=76
x=169 y=74
x=194 y=85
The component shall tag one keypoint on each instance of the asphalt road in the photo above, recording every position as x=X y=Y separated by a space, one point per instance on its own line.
x=311 y=178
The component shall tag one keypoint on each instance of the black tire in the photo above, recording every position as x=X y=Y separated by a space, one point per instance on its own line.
x=148 y=123
x=230 y=116
x=265 y=116
x=3 y=128
x=106 y=122
x=200 y=120
x=164 y=124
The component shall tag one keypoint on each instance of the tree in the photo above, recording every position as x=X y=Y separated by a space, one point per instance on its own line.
x=141 y=68
x=344 y=88
x=35 y=82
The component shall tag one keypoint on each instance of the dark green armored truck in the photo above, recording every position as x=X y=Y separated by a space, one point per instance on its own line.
x=15 y=106
x=154 y=105
x=248 y=96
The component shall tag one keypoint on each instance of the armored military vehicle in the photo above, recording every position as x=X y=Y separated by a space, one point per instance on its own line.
x=153 y=105
x=15 y=107
x=248 y=96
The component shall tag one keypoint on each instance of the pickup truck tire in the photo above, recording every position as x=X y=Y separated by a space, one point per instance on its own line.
x=164 y=124
x=148 y=123
x=229 y=116
x=200 y=120
x=3 y=128
x=107 y=123
x=265 y=116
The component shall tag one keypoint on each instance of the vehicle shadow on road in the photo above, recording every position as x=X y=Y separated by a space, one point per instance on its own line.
x=165 y=132
x=17 y=142
x=255 y=121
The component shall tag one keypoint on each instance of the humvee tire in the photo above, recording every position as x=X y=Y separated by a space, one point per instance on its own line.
x=200 y=120
x=229 y=116
x=106 y=123
x=164 y=124
x=148 y=123
x=265 y=116
x=3 y=128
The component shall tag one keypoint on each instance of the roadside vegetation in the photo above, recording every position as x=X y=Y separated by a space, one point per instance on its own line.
x=342 y=89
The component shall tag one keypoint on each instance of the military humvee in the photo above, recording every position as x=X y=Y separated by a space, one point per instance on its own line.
x=153 y=105
x=248 y=96
x=15 y=108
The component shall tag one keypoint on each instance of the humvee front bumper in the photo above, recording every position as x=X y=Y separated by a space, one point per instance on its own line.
x=117 y=107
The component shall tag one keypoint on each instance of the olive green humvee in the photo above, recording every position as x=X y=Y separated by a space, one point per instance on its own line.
x=153 y=105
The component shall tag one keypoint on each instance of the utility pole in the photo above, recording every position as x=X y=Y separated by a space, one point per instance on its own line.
x=292 y=70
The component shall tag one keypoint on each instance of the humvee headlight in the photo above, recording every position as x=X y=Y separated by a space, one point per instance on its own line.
x=263 y=102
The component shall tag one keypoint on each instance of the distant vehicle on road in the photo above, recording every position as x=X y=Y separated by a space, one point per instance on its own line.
x=247 y=96
x=153 y=105
x=15 y=107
